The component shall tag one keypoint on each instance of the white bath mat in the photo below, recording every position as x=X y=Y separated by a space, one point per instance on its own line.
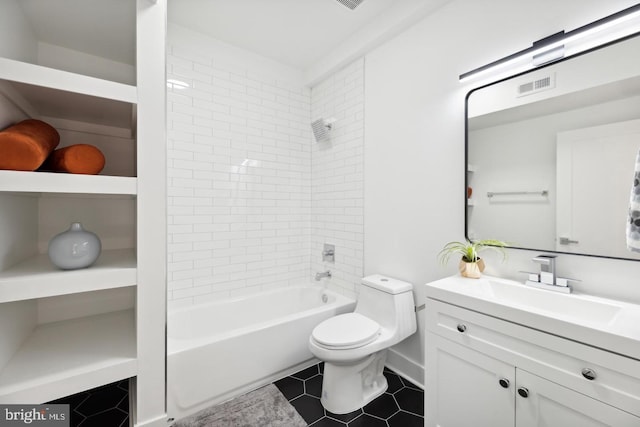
x=264 y=407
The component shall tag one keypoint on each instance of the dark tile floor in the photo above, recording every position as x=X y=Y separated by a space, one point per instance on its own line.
x=402 y=405
x=103 y=406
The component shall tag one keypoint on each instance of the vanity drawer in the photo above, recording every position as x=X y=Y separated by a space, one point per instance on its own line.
x=616 y=379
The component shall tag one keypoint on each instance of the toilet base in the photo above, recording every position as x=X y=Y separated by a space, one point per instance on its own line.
x=348 y=387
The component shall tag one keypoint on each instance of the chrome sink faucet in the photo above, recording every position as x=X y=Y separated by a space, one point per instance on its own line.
x=323 y=274
x=547 y=278
x=547 y=268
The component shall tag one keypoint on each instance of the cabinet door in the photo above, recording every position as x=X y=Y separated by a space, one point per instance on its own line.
x=463 y=387
x=549 y=404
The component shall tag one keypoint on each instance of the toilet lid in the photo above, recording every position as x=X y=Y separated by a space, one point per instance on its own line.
x=349 y=330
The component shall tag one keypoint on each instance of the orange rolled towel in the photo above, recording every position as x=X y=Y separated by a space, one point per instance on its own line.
x=79 y=158
x=25 y=145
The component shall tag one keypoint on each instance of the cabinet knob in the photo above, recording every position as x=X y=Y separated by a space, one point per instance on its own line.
x=523 y=391
x=461 y=327
x=589 y=374
x=504 y=382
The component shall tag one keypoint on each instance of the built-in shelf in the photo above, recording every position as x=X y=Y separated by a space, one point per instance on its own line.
x=47 y=182
x=62 y=358
x=64 y=332
x=37 y=278
x=45 y=77
x=471 y=167
x=471 y=202
x=70 y=100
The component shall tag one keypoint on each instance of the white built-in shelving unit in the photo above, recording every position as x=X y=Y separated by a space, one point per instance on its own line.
x=62 y=332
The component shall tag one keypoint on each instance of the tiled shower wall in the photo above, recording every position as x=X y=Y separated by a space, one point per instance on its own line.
x=248 y=187
x=337 y=177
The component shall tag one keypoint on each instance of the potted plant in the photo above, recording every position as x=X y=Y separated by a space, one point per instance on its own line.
x=471 y=265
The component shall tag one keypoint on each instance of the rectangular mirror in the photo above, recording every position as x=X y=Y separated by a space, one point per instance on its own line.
x=551 y=153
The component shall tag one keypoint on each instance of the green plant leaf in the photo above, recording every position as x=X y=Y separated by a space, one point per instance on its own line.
x=469 y=250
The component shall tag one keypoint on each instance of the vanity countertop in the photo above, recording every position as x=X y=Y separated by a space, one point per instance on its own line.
x=605 y=323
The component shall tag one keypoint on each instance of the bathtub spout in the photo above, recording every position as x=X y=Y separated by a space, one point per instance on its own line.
x=323 y=274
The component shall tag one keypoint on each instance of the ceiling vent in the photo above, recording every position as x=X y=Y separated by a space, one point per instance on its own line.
x=351 y=4
x=538 y=85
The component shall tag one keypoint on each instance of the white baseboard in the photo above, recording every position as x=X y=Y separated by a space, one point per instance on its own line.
x=156 y=422
x=405 y=367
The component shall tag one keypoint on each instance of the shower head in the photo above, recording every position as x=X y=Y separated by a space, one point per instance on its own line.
x=351 y=4
x=322 y=129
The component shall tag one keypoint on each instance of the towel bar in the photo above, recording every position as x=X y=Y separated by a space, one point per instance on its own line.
x=517 y=193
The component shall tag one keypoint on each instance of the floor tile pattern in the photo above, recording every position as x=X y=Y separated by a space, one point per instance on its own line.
x=402 y=405
x=105 y=406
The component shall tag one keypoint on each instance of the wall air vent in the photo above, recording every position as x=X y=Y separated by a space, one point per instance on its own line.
x=351 y=4
x=538 y=85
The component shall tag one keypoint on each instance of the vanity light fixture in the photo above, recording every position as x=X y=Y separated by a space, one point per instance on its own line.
x=565 y=44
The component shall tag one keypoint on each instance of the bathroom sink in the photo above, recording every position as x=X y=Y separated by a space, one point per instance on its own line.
x=600 y=322
x=579 y=307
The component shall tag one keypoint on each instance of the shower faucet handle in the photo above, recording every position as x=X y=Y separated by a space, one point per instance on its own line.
x=329 y=253
x=326 y=274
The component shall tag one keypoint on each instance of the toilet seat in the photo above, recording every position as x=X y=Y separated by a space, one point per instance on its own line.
x=346 y=331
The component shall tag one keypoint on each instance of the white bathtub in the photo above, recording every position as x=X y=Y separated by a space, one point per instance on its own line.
x=219 y=350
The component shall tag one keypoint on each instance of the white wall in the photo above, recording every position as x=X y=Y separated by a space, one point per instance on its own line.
x=17 y=39
x=414 y=154
x=337 y=183
x=65 y=59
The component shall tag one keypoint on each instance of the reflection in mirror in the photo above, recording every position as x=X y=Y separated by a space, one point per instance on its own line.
x=551 y=154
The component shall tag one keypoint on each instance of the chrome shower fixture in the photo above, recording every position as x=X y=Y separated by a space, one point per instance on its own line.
x=351 y=4
x=322 y=129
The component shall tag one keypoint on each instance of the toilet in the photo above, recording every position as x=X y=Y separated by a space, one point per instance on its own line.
x=354 y=345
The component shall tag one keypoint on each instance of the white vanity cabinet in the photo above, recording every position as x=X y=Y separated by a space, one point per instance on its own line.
x=94 y=70
x=540 y=402
x=464 y=387
x=486 y=371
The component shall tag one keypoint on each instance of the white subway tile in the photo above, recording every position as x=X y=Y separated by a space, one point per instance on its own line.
x=180 y=266
x=211 y=244
x=178 y=98
x=260 y=218
x=211 y=262
x=191 y=273
x=191 y=237
x=192 y=292
x=206 y=226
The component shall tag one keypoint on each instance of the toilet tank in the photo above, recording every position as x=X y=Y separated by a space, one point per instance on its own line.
x=386 y=284
x=389 y=302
